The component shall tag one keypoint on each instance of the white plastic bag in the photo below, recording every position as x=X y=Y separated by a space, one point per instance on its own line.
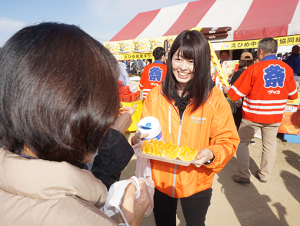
x=143 y=172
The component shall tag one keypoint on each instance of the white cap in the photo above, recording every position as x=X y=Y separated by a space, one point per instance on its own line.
x=151 y=126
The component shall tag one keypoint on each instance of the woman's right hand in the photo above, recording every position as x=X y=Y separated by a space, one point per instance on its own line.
x=138 y=137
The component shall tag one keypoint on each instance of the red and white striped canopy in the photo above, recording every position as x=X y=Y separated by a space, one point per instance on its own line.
x=249 y=19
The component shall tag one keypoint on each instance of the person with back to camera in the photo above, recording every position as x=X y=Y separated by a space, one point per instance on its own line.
x=58 y=98
x=193 y=113
x=154 y=74
x=265 y=87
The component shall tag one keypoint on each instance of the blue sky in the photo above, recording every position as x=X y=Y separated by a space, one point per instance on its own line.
x=102 y=19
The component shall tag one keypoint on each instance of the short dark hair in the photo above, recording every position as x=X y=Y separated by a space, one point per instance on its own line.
x=58 y=92
x=191 y=45
x=244 y=63
x=158 y=52
x=225 y=51
x=294 y=47
x=268 y=45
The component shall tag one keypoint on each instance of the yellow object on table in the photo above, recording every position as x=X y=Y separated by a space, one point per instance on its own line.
x=137 y=105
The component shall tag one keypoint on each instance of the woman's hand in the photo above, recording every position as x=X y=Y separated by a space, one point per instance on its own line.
x=203 y=156
x=138 y=137
x=124 y=120
x=134 y=209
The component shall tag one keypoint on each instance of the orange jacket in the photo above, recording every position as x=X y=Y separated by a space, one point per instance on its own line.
x=210 y=126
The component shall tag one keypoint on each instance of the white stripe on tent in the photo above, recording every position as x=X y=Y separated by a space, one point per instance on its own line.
x=226 y=13
x=294 y=26
x=163 y=21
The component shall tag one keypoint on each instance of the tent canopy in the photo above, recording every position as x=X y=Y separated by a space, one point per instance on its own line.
x=249 y=19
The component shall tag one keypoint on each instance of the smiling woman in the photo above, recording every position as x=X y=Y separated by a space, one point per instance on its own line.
x=198 y=116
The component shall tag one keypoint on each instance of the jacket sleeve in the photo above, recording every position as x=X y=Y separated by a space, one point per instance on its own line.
x=292 y=89
x=224 y=138
x=113 y=156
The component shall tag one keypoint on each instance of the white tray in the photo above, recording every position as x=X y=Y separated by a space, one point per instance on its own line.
x=138 y=152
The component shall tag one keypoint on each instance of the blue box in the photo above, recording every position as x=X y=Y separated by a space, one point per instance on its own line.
x=292 y=138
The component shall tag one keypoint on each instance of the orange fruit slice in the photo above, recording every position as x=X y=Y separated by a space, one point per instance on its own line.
x=145 y=143
x=158 y=152
x=293 y=129
x=170 y=153
x=187 y=154
x=160 y=143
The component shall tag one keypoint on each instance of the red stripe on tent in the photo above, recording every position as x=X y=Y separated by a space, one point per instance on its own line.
x=190 y=17
x=266 y=19
x=136 y=26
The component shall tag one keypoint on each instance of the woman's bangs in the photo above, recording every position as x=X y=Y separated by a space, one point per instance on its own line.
x=187 y=50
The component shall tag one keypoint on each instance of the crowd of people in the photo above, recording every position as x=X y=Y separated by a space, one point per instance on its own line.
x=60 y=109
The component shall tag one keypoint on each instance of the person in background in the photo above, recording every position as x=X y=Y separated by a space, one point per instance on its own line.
x=124 y=77
x=245 y=61
x=140 y=66
x=191 y=112
x=294 y=61
x=224 y=55
x=154 y=74
x=59 y=98
x=265 y=86
x=255 y=58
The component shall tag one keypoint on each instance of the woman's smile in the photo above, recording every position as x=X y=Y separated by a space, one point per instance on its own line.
x=183 y=69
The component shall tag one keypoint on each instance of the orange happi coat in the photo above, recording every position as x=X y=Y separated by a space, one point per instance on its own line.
x=210 y=126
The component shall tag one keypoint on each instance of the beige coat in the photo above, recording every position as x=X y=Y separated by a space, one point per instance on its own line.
x=35 y=192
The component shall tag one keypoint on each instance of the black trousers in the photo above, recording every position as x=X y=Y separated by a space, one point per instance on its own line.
x=194 y=208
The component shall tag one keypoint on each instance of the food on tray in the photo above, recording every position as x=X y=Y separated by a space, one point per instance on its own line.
x=169 y=150
x=187 y=154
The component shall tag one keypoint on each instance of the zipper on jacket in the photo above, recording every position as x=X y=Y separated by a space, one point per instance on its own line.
x=170 y=119
x=178 y=138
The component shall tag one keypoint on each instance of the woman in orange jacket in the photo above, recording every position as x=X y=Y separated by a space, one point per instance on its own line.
x=194 y=113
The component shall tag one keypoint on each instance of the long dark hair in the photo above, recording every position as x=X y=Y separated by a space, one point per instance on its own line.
x=191 y=45
x=58 y=92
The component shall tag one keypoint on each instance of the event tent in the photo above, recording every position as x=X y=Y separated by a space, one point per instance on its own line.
x=249 y=19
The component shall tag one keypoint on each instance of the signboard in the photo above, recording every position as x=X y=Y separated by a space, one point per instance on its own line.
x=291 y=120
x=282 y=41
x=135 y=56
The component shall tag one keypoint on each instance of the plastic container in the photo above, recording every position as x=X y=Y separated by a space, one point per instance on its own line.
x=151 y=126
x=121 y=97
x=138 y=93
x=124 y=90
x=133 y=96
x=120 y=82
x=132 y=87
x=126 y=97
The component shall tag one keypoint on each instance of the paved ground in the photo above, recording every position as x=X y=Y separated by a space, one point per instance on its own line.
x=276 y=202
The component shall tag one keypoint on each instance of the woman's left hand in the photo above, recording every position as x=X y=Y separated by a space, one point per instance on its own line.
x=134 y=209
x=203 y=156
